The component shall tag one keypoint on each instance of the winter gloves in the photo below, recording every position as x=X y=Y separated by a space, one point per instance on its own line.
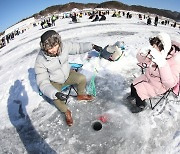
x=146 y=51
x=158 y=57
x=61 y=96
x=97 y=48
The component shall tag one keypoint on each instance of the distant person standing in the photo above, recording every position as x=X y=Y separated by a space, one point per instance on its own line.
x=53 y=19
x=7 y=38
x=174 y=25
x=156 y=21
x=42 y=24
x=3 y=41
x=128 y=15
x=74 y=17
x=149 y=21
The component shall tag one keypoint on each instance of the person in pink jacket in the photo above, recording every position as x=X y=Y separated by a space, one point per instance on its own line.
x=161 y=61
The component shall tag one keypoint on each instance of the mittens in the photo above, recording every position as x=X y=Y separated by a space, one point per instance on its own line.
x=157 y=57
x=61 y=96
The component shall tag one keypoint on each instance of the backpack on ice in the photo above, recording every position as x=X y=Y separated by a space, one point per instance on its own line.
x=113 y=52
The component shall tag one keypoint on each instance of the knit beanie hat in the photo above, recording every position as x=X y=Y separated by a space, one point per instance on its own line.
x=47 y=34
x=49 y=39
x=166 y=41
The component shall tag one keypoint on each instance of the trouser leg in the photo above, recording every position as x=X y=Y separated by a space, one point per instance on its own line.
x=134 y=94
x=76 y=78
x=58 y=103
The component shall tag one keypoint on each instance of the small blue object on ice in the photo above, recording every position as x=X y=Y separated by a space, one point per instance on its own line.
x=76 y=66
x=122 y=47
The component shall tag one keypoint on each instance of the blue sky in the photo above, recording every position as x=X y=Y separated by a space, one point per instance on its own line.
x=12 y=11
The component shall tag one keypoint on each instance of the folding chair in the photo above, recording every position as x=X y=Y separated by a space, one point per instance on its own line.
x=175 y=90
x=68 y=88
x=164 y=96
x=76 y=66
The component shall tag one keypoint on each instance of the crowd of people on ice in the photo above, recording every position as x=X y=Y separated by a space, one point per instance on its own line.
x=11 y=36
x=94 y=16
